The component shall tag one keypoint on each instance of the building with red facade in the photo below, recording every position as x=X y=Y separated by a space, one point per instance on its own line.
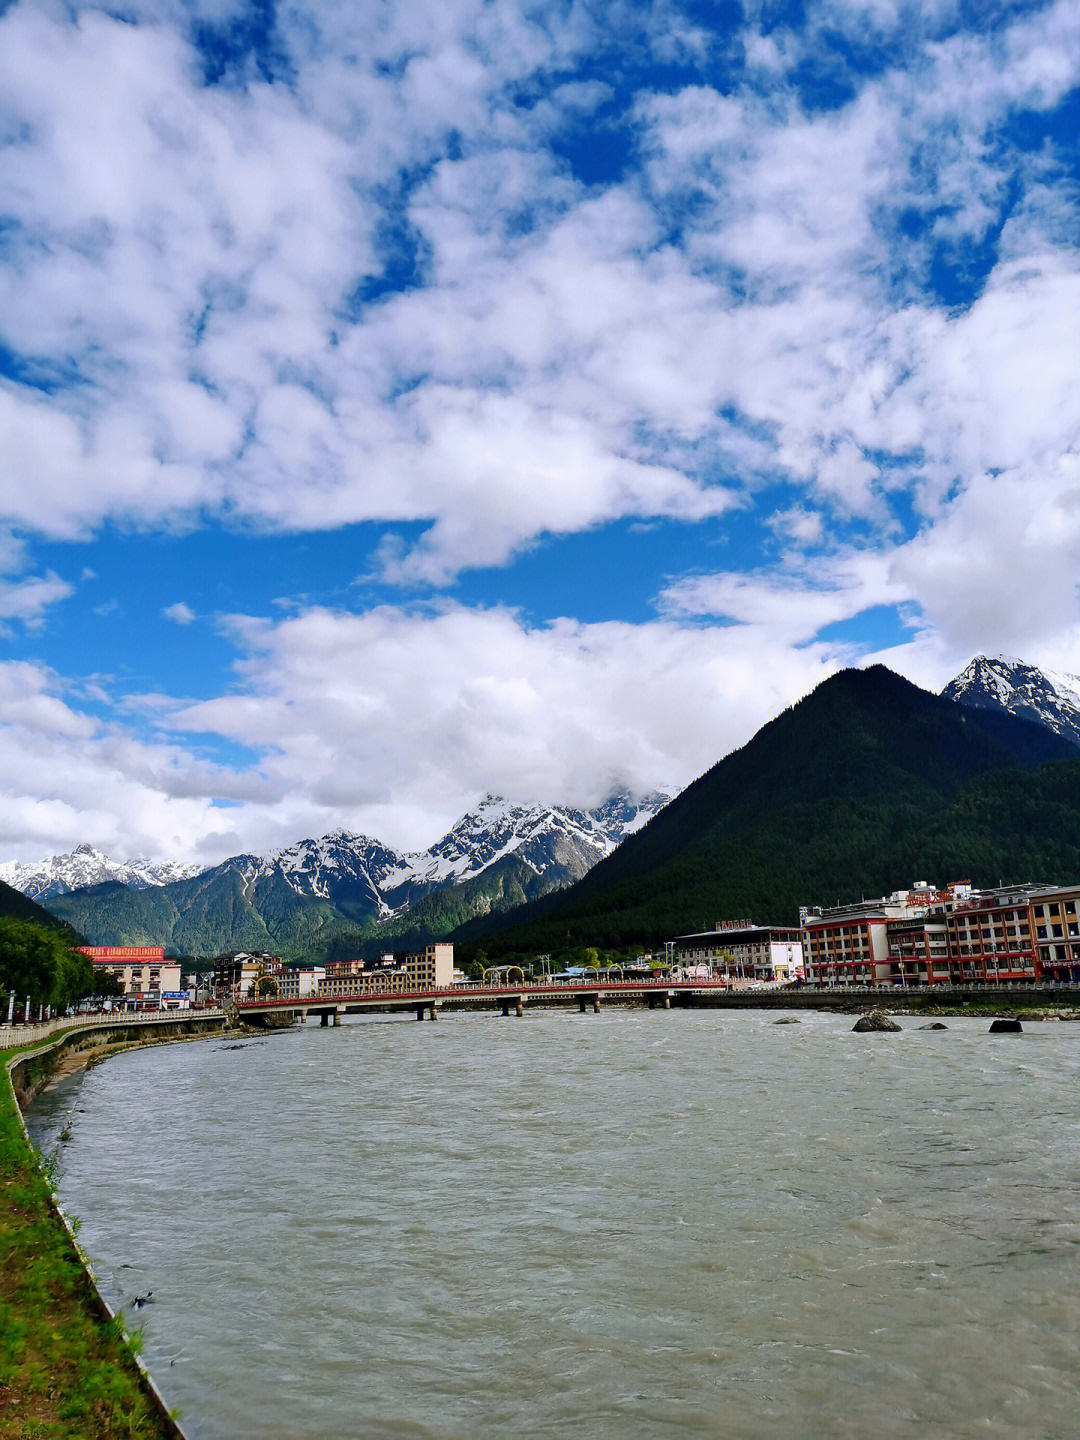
x=142 y=970
x=1013 y=934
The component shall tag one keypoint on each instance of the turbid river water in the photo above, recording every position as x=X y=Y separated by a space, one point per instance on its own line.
x=630 y=1225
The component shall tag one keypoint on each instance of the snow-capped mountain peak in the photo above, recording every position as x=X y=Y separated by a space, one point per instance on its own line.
x=332 y=864
x=1001 y=682
x=87 y=866
x=499 y=854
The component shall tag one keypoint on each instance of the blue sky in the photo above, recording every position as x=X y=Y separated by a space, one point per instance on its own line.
x=399 y=403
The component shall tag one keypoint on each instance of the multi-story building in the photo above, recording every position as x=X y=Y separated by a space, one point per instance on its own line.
x=991 y=938
x=1011 y=934
x=142 y=970
x=432 y=967
x=918 y=949
x=238 y=975
x=1055 y=922
x=739 y=951
x=851 y=944
x=294 y=983
x=428 y=969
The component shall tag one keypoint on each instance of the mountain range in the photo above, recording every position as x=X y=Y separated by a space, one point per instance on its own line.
x=86 y=866
x=745 y=848
x=343 y=893
x=865 y=785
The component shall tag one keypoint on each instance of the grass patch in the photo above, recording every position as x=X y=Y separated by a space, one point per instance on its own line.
x=65 y=1368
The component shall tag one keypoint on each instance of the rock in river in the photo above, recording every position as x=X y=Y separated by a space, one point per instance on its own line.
x=875 y=1020
x=934 y=1025
x=1006 y=1027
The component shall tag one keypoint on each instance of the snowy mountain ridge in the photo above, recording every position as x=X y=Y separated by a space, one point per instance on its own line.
x=545 y=838
x=86 y=866
x=1001 y=682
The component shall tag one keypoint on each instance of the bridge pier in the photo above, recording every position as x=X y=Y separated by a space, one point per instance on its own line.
x=324 y=1018
x=337 y=1017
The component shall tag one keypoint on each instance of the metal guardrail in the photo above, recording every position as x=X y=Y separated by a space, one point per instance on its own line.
x=12 y=1035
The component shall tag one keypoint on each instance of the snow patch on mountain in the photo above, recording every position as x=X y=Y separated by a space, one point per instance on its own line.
x=1001 y=682
x=541 y=836
x=86 y=866
x=342 y=868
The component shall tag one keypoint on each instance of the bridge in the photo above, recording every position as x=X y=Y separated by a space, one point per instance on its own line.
x=510 y=999
x=587 y=994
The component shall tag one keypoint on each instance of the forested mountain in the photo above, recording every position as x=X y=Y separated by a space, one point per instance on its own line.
x=867 y=784
x=21 y=907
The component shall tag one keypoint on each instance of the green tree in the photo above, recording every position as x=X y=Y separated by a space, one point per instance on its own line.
x=38 y=962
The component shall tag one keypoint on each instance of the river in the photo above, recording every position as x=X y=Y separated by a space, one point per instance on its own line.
x=633 y=1225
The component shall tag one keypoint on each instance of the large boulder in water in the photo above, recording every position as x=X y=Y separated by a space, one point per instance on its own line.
x=934 y=1025
x=1006 y=1027
x=874 y=1020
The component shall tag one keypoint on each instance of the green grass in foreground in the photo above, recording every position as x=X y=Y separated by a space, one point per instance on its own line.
x=65 y=1370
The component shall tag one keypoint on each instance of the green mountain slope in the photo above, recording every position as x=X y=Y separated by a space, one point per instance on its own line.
x=867 y=784
x=21 y=907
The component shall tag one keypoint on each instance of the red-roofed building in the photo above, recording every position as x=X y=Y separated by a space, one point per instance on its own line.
x=142 y=970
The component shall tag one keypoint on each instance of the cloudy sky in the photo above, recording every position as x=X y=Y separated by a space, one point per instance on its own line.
x=400 y=402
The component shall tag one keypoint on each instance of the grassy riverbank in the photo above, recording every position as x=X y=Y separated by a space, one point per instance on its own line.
x=65 y=1368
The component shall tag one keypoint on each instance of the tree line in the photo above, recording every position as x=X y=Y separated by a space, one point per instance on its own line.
x=40 y=964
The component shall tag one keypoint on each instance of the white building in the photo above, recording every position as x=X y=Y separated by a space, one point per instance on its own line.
x=740 y=951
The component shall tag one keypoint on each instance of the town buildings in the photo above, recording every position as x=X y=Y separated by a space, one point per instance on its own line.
x=429 y=969
x=295 y=983
x=247 y=976
x=144 y=975
x=739 y=950
x=239 y=975
x=1010 y=934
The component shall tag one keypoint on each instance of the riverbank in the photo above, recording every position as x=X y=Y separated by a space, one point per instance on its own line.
x=67 y=1366
x=934 y=1001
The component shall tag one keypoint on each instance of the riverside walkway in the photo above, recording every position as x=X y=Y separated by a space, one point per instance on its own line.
x=12 y=1035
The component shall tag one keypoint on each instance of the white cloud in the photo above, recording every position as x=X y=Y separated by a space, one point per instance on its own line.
x=792 y=604
x=181 y=612
x=27 y=600
x=394 y=709
x=391 y=723
x=754 y=302
x=562 y=363
x=67 y=778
